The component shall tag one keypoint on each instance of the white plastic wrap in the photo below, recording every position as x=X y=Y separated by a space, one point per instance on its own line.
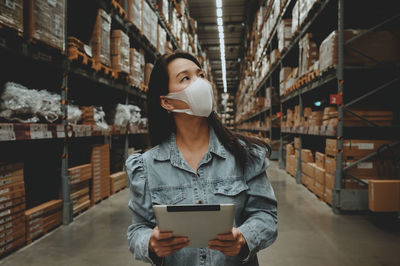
x=21 y=104
x=99 y=118
x=122 y=115
x=135 y=114
x=74 y=114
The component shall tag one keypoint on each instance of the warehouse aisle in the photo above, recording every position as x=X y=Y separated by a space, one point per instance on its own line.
x=309 y=234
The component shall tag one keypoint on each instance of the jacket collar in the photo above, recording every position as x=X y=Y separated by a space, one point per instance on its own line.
x=168 y=150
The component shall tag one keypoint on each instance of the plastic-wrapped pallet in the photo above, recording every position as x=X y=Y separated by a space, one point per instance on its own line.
x=137 y=64
x=11 y=14
x=296 y=17
x=308 y=54
x=100 y=41
x=135 y=14
x=12 y=205
x=45 y=21
x=161 y=39
x=120 y=51
x=150 y=24
x=185 y=41
x=304 y=8
x=284 y=33
x=164 y=8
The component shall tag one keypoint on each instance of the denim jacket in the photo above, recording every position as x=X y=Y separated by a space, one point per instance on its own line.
x=162 y=176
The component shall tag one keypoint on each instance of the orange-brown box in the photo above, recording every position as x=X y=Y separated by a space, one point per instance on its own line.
x=320 y=159
x=328 y=195
x=384 y=195
x=329 y=180
x=319 y=189
x=330 y=165
x=307 y=156
x=320 y=175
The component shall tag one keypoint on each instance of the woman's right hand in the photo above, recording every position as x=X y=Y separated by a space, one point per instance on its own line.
x=164 y=243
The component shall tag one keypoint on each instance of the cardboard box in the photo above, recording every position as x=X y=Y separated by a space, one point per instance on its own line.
x=328 y=195
x=11 y=169
x=307 y=156
x=11 y=14
x=308 y=54
x=45 y=21
x=320 y=159
x=331 y=147
x=384 y=195
x=308 y=169
x=319 y=189
x=120 y=51
x=380 y=45
x=161 y=39
x=100 y=40
x=329 y=180
x=307 y=181
x=43 y=209
x=320 y=175
x=135 y=13
x=150 y=23
x=297 y=143
x=330 y=165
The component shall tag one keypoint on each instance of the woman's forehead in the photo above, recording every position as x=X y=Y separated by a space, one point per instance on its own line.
x=182 y=64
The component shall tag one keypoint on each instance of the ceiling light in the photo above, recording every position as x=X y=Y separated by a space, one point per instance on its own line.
x=219 y=12
x=219 y=3
x=220 y=28
x=219 y=21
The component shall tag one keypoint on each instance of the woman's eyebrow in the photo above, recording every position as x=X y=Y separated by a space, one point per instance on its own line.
x=184 y=71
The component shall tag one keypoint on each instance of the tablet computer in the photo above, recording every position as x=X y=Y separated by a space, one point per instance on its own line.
x=200 y=223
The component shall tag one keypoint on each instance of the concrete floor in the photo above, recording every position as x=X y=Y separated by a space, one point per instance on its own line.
x=309 y=234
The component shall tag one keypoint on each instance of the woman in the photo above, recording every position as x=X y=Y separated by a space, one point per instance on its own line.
x=196 y=160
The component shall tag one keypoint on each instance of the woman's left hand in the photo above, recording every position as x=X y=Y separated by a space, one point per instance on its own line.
x=230 y=244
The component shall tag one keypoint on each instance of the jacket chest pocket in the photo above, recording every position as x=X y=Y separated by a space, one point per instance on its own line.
x=168 y=195
x=229 y=190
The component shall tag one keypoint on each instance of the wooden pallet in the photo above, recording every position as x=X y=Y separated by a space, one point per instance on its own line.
x=105 y=70
x=119 y=9
x=47 y=229
x=75 y=55
x=124 y=77
x=5 y=29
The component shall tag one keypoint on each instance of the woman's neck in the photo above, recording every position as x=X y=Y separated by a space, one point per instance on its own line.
x=192 y=132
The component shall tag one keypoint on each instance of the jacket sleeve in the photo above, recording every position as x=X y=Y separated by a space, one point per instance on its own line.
x=140 y=204
x=259 y=223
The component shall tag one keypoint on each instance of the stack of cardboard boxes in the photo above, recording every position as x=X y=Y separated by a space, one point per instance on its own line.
x=120 y=51
x=42 y=218
x=308 y=169
x=118 y=181
x=80 y=178
x=150 y=23
x=100 y=162
x=45 y=21
x=12 y=205
x=100 y=41
x=137 y=67
x=11 y=14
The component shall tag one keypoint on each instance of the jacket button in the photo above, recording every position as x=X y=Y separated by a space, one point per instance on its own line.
x=204 y=256
x=200 y=202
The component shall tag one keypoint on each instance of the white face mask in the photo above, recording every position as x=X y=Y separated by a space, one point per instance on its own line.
x=199 y=96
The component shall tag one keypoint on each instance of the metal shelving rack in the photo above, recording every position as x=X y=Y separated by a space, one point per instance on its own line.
x=343 y=199
x=25 y=51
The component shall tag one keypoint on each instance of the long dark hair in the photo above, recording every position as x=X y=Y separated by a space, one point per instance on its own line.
x=162 y=124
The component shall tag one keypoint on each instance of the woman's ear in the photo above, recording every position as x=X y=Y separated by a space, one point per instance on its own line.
x=166 y=103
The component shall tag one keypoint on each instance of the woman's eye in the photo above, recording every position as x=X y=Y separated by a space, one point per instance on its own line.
x=185 y=78
x=202 y=75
